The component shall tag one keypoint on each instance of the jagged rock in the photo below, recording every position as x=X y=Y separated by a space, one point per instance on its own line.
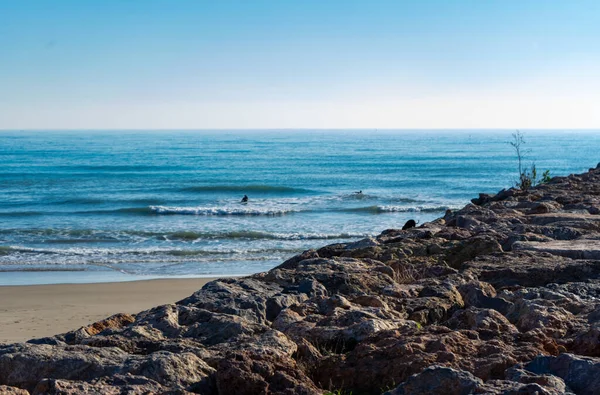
x=550 y=384
x=364 y=243
x=249 y=298
x=24 y=365
x=116 y=321
x=182 y=370
x=576 y=219
x=245 y=373
x=4 y=389
x=581 y=374
x=482 y=320
x=369 y=301
x=543 y=208
x=574 y=249
x=481 y=294
x=392 y=356
x=471 y=248
x=437 y=380
x=528 y=269
x=115 y=385
x=482 y=199
x=529 y=315
x=442 y=380
x=588 y=342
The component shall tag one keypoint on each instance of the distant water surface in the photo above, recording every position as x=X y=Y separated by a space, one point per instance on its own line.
x=128 y=205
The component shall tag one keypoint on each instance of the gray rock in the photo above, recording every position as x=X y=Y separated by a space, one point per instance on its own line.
x=364 y=243
x=581 y=374
x=574 y=249
x=439 y=380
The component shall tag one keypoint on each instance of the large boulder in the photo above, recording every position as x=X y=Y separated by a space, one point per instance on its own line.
x=581 y=374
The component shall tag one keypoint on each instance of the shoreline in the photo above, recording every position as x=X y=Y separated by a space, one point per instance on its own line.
x=500 y=296
x=63 y=277
x=34 y=311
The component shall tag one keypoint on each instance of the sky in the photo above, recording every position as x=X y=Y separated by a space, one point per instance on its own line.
x=164 y=64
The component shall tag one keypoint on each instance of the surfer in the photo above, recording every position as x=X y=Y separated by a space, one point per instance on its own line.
x=358 y=193
x=245 y=199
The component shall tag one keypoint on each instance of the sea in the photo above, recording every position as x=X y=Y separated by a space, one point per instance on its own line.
x=93 y=206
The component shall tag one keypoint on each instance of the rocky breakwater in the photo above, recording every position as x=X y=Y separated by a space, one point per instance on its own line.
x=501 y=297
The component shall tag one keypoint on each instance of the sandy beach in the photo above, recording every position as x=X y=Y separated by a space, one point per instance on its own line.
x=33 y=311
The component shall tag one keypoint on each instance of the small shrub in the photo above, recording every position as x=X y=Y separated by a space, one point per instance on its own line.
x=545 y=177
x=527 y=177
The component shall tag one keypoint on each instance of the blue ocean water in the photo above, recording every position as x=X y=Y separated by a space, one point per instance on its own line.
x=88 y=206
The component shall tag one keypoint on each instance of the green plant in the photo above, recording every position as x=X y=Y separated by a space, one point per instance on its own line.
x=545 y=177
x=527 y=177
x=517 y=144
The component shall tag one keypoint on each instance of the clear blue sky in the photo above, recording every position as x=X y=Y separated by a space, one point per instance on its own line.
x=299 y=64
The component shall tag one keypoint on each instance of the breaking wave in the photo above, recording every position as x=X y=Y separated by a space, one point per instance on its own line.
x=17 y=258
x=396 y=209
x=218 y=211
x=65 y=236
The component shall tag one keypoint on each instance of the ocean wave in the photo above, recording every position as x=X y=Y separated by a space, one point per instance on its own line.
x=8 y=250
x=21 y=213
x=82 y=200
x=120 y=168
x=24 y=256
x=95 y=201
x=261 y=189
x=418 y=209
x=81 y=241
x=92 y=235
x=357 y=196
x=53 y=232
x=40 y=269
x=163 y=210
x=5 y=250
x=395 y=209
x=241 y=210
x=365 y=196
x=219 y=211
x=258 y=235
x=408 y=200
x=127 y=210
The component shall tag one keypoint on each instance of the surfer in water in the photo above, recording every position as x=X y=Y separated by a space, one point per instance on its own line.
x=245 y=199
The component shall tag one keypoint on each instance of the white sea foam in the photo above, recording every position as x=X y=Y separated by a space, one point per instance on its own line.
x=119 y=259
x=415 y=209
x=378 y=209
x=165 y=210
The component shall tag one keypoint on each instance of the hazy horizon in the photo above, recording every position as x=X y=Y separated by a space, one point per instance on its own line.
x=507 y=131
x=310 y=65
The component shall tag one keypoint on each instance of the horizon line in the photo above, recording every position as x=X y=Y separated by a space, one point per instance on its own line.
x=283 y=129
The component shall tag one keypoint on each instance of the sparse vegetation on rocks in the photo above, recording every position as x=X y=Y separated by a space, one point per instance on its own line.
x=528 y=177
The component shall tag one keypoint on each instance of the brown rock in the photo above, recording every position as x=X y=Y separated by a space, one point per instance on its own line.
x=4 y=389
